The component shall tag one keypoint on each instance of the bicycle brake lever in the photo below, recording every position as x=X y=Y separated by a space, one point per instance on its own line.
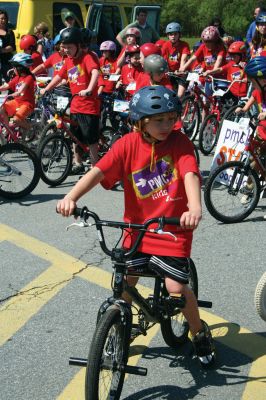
x=161 y=232
x=81 y=224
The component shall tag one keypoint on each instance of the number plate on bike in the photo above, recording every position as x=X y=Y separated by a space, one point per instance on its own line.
x=61 y=102
x=121 y=105
x=193 y=76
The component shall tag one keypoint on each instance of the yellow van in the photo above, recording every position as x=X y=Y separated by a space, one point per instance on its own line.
x=105 y=17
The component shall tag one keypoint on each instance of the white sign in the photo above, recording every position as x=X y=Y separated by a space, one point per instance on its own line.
x=121 y=106
x=61 y=102
x=114 y=77
x=131 y=86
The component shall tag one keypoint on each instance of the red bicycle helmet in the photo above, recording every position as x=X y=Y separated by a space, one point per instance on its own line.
x=133 y=31
x=133 y=48
x=210 y=33
x=27 y=41
x=237 y=48
x=150 y=48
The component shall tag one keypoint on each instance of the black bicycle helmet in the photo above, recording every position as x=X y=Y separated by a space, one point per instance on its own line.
x=86 y=35
x=256 y=67
x=261 y=18
x=152 y=100
x=71 y=36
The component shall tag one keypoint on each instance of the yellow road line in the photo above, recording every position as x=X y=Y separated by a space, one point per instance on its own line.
x=64 y=266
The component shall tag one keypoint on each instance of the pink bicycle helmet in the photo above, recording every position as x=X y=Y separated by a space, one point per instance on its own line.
x=108 y=45
x=133 y=31
x=210 y=33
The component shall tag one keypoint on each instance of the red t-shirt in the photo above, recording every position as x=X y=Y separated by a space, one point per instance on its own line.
x=55 y=61
x=129 y=75
x=107 y=67
x=260 y=51
x=234 y=71
x=173 y=53
x=144 y=79
x=78 y=73
x=208 y=57
x=152 y=192
x=37 y=60
x=27 y=96
x=261 y=102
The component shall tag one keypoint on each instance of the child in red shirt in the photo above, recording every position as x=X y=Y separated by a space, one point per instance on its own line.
x=234 y=69
x=176 y=52
x=165 y=165
x=81 y=70
x=155 y=67
x=22 y=86
x=131 y=71
x=28 y=44
x=258 y=42
x=108 y=66
x=132 y=36
x=55 y=60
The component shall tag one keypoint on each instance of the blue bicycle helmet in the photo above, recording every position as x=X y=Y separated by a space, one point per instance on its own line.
x=152 y=100
x=261 y=18
x=256 y=67
x=173 y=27
x=21 y=60
x=57 y=39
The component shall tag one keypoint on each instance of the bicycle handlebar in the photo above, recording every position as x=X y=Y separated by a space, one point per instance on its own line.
x=84 y=213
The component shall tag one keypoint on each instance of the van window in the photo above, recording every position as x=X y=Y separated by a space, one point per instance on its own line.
x=12 y=10
x=59 y=10
x=106 y=21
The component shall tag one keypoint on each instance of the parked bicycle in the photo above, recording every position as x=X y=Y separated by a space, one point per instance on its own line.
x=107 y=361
x=232 y=190
x=260 y=297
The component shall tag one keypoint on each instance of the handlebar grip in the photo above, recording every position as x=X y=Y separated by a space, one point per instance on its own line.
x=172 y=221
x=78 y=212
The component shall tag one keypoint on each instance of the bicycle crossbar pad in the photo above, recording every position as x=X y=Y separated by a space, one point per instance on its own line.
x=205 y=304
x=79 y=362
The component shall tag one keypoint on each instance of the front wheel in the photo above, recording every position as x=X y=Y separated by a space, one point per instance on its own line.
x=260 y=297
x=55 y=157
x=175 y=329
x=19 y=170
x=208 y=134
x=108 y=356
x=232 y=192
x=191 y=116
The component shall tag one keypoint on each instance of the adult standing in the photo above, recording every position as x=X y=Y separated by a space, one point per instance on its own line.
x=7 y=45
x=148 y=34
x=252 y=27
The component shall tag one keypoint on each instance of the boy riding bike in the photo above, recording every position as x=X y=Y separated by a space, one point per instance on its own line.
x=22 y=101
x=161 y=177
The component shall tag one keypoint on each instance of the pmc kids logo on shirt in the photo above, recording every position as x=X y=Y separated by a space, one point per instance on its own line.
x=147 y=182
x=74 y=73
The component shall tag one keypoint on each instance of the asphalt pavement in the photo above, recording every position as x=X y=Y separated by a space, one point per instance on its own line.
x=53 y=281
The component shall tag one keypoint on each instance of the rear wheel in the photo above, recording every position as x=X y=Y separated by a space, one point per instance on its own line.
x=19 y=170
x=108 y=356
x=55 y=157
x=230 y=115
x=175 y=329
x=226 y=196
x=191 y=116
x=208 y=134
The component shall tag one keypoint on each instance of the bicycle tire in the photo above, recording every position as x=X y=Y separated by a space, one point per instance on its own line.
x=224 y=199
x=175 y=329
x=19 y=170
x=112 y=336
x=55 y=157
x=208 y=134
x=196 y=153
x=260 y=297
x=191 y=116
x=48 y=130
